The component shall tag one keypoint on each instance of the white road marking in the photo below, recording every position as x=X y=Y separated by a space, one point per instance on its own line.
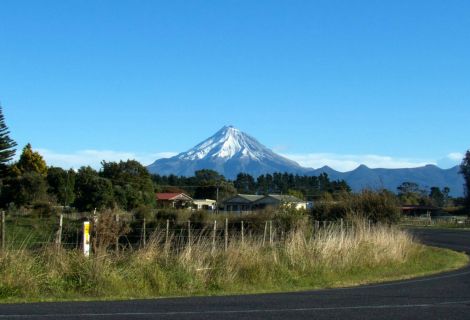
x=177 y=313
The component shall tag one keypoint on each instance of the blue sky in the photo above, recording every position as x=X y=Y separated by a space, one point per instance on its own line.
x=385 y=83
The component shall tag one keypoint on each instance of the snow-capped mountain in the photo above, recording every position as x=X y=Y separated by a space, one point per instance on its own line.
x=229 y=151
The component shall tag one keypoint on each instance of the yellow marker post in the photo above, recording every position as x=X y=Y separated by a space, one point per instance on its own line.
x=86 y=238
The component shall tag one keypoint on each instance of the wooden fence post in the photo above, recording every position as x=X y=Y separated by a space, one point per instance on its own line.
x=189 y=234
x=243 y=233
x=144 y=233
x=214 y=234
x=167 y=232
x=58 y=240
x=77 y=239
x=369 y=225
x=265 y=231
x=270 y=232
x=94 y=237
x=342 y=225
x=226 y=234
x=117 y=236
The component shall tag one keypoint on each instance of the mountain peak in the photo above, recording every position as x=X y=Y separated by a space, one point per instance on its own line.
x=225 y=144
x=229 y=151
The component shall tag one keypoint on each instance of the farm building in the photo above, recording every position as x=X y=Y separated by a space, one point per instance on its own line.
x=251 y=202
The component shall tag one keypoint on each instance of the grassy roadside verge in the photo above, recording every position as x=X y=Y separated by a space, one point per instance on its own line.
x=330 y=259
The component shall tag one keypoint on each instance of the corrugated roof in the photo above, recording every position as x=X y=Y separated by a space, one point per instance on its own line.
x=250 y=197
x=170 y=195
x=284 y=197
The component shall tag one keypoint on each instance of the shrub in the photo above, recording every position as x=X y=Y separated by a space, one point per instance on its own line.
x=167 y=214
x=144 y=212
x=44 y=209
x=377 y=206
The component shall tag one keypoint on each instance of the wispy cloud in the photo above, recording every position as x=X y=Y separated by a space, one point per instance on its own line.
x=455 y=156
x=349 y=162
x=93 y=158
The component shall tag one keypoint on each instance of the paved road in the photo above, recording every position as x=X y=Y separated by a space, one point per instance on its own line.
x=445 y=296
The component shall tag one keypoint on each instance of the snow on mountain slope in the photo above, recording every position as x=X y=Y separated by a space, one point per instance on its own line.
x=229 y=151
x=227 y=143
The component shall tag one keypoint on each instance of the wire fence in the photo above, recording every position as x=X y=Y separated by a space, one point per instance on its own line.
x=426 y=221
x=123 y=232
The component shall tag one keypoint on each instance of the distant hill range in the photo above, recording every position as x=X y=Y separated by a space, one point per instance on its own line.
x=230 y=151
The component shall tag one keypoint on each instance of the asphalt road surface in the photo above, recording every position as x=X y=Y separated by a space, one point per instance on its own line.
x=444 y=296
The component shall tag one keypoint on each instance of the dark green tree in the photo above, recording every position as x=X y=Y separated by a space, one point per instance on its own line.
x=92 y=191
x=208 y=182
x=447 y=197
x=132 y=183
x=23 y=190
x=437 y=197
x=61 y=185
x=245 y=183
x=26 y=183
x=7 y=146
x=465 y=171
x=409 y=193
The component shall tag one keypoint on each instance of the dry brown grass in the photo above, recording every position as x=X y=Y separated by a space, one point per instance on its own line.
x=328 y=257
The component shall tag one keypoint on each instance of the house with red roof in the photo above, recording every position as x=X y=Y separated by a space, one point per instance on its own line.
x=173 y=200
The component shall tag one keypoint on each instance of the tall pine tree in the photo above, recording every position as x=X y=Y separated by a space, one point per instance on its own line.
x=7 y=146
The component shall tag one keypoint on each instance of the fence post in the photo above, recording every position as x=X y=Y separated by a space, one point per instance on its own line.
x=324 y=224
x=243 y=233
x=369 y=225
x=270 y=232
x=167 y=232
x=3 y=230
x=58 y=240
x=77 y=238
x=96 y=237
x=226 y=234
x=342 y=225
x=214 y=234
x=189 y=234
x=265 y=231
x=144 y=233
x=86 y=238
x=117 y=236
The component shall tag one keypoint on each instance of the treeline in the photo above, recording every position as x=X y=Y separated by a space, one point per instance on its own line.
x=205 y=182
x=129 y=186
x=29 y=182
x=410 y=193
